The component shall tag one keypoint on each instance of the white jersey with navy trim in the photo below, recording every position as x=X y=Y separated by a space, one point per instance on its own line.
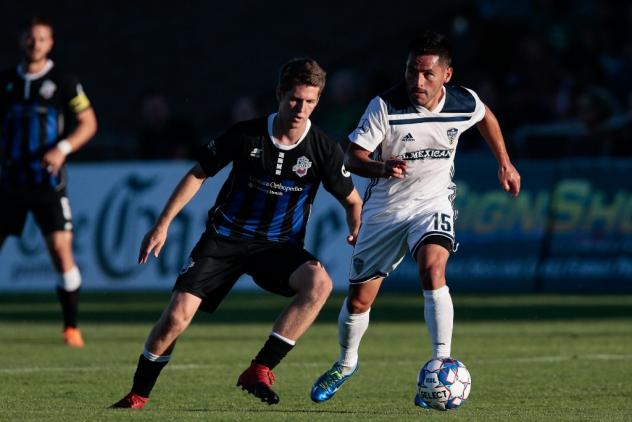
x=426 y=139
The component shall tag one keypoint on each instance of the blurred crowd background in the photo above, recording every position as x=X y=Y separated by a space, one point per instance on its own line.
x=165 y=77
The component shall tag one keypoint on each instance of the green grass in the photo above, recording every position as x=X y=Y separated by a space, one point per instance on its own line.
x=532 y=358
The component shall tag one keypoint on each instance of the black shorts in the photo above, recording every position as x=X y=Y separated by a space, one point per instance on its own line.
x=50 y=208
x=216 y=263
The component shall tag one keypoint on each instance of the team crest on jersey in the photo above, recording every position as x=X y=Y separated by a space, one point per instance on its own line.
x=452 y=134
x=188 y=265
x=301 y=166
x=363 y=127
x=48 y=89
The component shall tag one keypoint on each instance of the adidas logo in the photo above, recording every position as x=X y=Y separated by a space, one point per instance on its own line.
x=255 y=153
x=408 y=138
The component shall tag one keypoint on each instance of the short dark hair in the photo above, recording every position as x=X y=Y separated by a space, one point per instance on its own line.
x=301 y=71
x=35 y=21
x=432 y=43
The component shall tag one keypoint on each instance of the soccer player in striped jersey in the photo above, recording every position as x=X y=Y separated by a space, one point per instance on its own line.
x=256 y=227
x=406 y=142
x=37 y=103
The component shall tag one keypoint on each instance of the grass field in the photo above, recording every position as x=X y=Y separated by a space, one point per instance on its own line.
x=532 y=358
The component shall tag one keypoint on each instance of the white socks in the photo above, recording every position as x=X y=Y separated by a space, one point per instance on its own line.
x=351 y=328
x=70 y=280
x=439 y=316
x=438 y=313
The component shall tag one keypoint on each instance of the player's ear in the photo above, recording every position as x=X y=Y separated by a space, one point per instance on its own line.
x=447 y=74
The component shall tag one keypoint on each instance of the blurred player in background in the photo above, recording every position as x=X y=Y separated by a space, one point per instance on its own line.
x=406 y=142
x=37 y=103
x=256 y=227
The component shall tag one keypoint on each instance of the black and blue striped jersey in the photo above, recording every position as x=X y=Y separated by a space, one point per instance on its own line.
x=270 y=190
x=34 y=113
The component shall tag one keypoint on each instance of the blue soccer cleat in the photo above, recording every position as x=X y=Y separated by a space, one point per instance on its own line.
x=326 y=386
x=419 y=402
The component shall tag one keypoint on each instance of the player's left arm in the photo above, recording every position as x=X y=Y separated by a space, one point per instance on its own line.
x=353 y=207
x=337 y=181
x=86 y=127
x=507 y=174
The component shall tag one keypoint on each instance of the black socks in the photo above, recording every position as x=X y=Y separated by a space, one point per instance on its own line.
x=146 y=375
x=273 y=351
x=69 y=306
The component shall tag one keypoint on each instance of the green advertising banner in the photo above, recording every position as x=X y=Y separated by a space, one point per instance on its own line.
x=569 y=230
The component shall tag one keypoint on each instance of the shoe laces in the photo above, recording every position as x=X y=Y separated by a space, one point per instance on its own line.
x=331 y=377
x=264 y=373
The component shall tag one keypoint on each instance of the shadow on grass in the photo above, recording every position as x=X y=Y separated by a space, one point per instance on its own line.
x=143 y=307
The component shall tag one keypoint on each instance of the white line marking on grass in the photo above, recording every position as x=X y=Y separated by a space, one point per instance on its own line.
x=188 y=366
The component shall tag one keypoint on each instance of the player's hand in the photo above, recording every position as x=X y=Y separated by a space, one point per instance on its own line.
x=509 y=179
x=394 y=167
x=53 y=160
x=153 y=240
x=351 y=239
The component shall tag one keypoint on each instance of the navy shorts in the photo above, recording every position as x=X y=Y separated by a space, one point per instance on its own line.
x=217 y=262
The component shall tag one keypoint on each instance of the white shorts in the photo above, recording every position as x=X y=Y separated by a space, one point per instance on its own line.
x=381 y=246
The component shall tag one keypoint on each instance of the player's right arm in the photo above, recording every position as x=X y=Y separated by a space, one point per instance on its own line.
x=358 y=161
x=365 y=139
x=212 y=157
x=182 y=194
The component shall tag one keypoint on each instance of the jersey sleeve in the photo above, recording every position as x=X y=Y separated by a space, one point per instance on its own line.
x=218 y=152
x=336 y=179
x=479 y=109
x=372 y=127
x=74 y=96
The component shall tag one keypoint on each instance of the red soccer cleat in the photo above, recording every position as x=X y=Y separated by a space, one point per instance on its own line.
x=131 y=401
x=257 y=380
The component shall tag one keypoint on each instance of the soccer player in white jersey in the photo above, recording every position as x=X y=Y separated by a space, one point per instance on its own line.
x=406 y=143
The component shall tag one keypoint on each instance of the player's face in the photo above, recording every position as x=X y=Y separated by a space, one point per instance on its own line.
x=297 y=104
x=425 y=76
x=36 y=43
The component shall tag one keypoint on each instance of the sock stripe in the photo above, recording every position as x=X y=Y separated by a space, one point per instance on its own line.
x=155 y=358
x=283 y=339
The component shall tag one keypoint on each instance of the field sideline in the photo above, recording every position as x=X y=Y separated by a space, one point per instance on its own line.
x=532 y=358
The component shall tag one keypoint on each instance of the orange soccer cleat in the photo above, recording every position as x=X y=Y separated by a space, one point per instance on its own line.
x=72 y=337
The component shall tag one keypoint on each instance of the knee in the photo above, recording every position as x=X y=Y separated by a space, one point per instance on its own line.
x=432 y=273
x=315 y=282
x=358 y=304
x=174 y=323
x=58 y=244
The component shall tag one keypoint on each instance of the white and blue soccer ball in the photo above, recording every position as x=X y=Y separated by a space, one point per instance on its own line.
x=443 y=384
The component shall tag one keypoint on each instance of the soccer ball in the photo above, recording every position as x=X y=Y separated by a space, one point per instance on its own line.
x=443 y=384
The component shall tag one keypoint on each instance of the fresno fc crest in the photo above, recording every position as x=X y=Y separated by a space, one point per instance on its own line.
x=301 y=166
x=452 y=134
x=48 y=89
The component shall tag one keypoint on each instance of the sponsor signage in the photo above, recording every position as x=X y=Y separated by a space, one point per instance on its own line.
x=569 y=230
x=114 y=205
